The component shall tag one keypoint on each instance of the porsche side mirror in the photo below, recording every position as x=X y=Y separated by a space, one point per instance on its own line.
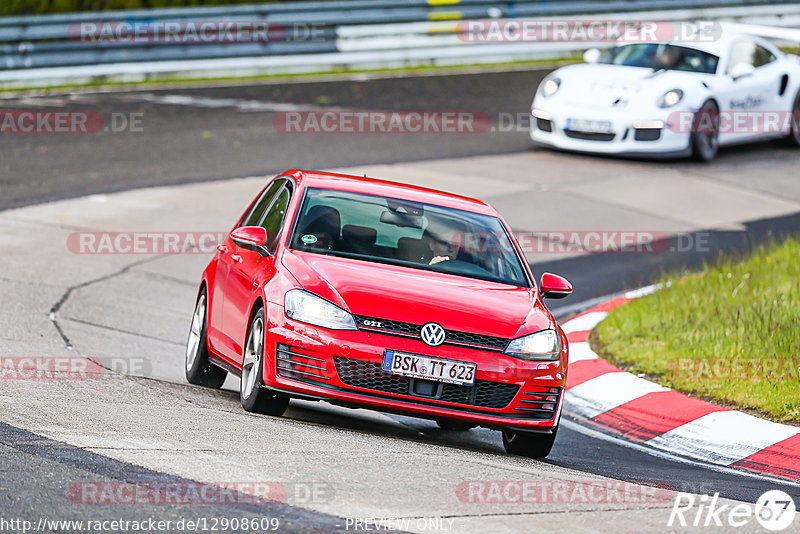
x=254 y=237
x=554 y=286
x=592 y=55
x=742 y=70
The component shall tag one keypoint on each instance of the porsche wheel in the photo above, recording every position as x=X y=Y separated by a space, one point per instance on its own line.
x=255 y=398
x=705 y=132
x=793 y=139
x=528 y=444
x=199 y=370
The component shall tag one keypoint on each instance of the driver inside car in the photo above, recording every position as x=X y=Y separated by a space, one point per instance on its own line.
x=445 y=242
x=669 y=57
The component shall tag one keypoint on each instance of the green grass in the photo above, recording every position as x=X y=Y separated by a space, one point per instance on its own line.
x=730 y=334
x=332 y=73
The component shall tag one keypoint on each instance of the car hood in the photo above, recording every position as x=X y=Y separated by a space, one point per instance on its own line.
x=603 y=86
x=418 y=296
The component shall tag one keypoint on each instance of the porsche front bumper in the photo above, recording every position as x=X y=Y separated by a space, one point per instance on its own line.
x=651 y=135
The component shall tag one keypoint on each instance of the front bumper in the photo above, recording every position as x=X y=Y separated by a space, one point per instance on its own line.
x=627 y=136
x=344 y=367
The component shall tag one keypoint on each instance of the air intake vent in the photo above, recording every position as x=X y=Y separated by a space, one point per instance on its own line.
x=370 y=375
x=289 y=363
x=539 y=402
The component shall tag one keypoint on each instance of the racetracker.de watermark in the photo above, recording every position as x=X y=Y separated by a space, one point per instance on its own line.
x=144 y=242
x=734 y=121
x=194 y=32
x=530 y=241
x=607 y=241
x=381 y=122
x=69 y=367
x=563 y=492
x=755 y=369
x=586 y=31
x=21 y=121
x=203 y=493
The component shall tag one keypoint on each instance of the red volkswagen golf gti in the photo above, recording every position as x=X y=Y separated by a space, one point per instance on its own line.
x=373 y=294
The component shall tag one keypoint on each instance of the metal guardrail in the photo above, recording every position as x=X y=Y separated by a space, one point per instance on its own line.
x=30 y=42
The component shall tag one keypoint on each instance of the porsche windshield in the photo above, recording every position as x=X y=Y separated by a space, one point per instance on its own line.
x=422 y=236
x=662 y=57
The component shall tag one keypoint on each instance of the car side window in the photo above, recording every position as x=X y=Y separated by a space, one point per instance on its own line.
x=275 y=215
x=748 y=52
x=257 y=211
x=763 y=57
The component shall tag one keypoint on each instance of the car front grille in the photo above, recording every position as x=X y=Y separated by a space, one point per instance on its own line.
x=370 y=375
x=452 y=337
x=589 y=136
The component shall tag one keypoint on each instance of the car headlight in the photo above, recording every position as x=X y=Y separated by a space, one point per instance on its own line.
x=543 y=345
x=308 y=308
x=670 y=98
x=550 y=86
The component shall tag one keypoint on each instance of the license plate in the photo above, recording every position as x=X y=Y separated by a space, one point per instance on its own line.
x=581 y=125
x=436 y=369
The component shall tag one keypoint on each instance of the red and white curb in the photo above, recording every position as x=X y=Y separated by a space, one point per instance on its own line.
x=641 y=411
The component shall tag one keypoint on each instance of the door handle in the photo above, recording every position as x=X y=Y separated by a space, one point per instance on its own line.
x=222 y=248
x=236 y=258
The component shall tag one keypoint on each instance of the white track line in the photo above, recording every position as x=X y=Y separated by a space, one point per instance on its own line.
x=584 y=322
x=608 y=391
x=581 y=429
x=716 y=437
x=580 y=350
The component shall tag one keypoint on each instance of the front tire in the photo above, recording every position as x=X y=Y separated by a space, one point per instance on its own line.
x=793 y=139
x=252 y=393
x=199 y=369
x=705 y=132
x=528 y=444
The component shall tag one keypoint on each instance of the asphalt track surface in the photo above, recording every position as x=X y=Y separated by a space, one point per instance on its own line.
x=212 y=134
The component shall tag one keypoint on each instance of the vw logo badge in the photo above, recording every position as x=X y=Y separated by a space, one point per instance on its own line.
x=432 y=334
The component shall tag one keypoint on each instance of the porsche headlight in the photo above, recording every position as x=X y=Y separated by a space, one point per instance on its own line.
x=542 y=345
x=550 y=86
x=308 y=308
x=670 y=98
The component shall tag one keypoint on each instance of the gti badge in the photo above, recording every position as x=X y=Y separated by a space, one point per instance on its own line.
x=432 y=334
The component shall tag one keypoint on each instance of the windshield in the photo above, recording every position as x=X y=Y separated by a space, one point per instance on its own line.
x=661 y=56
x=422 y=236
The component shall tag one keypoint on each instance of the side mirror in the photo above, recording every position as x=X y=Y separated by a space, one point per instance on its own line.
x=554 y=286
x=254 y=237
x=592 y=55
x=742 y=70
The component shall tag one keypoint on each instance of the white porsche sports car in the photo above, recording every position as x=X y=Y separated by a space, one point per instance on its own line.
x=671 y=99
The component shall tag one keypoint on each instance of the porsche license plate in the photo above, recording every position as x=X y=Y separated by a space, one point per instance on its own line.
x=428 y=368
x=581 y=125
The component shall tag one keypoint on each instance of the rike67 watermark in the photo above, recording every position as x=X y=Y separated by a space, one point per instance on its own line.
x=774 y=510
